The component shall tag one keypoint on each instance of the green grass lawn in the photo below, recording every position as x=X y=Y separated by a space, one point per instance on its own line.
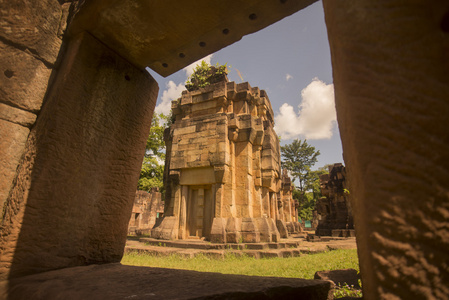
x=296 y=267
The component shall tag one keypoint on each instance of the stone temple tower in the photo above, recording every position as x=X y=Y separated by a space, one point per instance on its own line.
x=222 y=173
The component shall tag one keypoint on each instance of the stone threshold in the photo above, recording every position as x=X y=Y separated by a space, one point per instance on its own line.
x=116 y=281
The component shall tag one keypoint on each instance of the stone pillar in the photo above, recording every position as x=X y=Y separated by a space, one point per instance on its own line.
x=72 y=196
x=390 y=69
x=243 y=162
x=183 y=213
x=266 y=202
x=218 y=192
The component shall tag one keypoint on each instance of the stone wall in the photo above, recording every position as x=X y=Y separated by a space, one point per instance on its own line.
x=148 y=210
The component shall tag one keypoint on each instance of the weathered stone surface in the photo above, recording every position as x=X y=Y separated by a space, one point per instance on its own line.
x=167 y=230
x=218 y=230
x=17 y=116
x=282 y=228
x=115 y=281
x=81 y=165
x=391 y=82
x=136 y=29
x=32 y=25
x=340 y=277
x=12 y=144
x=24 y=79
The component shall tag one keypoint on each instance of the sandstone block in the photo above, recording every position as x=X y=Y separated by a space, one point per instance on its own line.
x=24 y=80
x=12 y=145
x=17 y=116
x=251 y=237
x=167 y=230
x=38 y=27
x=218 y=231
x=184 y=130
x=282 y=228
x=264 y=229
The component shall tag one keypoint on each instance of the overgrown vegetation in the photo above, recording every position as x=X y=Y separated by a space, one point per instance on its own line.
x=347 y=291
x=205 y=74
x=294 y=267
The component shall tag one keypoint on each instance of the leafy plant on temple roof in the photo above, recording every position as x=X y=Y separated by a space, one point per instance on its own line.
x=205 y=74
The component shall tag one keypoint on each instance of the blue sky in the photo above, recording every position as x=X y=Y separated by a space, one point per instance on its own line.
x=290 y=60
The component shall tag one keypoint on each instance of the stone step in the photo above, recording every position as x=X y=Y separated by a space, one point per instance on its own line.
x=192 y=244
x=198 y=244
x=218 y=254
x=190 y=248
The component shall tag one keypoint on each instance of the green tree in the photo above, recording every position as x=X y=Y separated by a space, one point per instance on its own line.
x=298 y=158
x=314 y=181
x=152 y=171
x=308 y=200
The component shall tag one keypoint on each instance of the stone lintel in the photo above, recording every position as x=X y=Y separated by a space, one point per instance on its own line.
x=169 y=35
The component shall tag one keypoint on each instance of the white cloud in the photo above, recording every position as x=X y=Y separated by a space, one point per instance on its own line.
x=172 y=92
x=288 y=77
x=190 y=68
x=316 y=116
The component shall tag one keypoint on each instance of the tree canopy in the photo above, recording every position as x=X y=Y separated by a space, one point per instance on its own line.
x=152 y=171
x=308 y=200
x=298 y=158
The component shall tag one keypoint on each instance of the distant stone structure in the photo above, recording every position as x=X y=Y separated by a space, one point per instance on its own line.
x=288 y=207
x=333 y=209
x=222 y=174
x=148 y=210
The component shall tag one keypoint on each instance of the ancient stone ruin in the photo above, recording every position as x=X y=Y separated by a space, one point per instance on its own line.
x=333 y=209
x=148 y=210
x=75 y=114
x=222 y=172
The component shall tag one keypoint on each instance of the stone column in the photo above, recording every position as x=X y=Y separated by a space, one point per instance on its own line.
x=243 y=187
x=74 y=189
x=24 y=76
x=183 y=212
x=218 y=198
x=390 y=68
x=266 y=202
x=200 y=212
